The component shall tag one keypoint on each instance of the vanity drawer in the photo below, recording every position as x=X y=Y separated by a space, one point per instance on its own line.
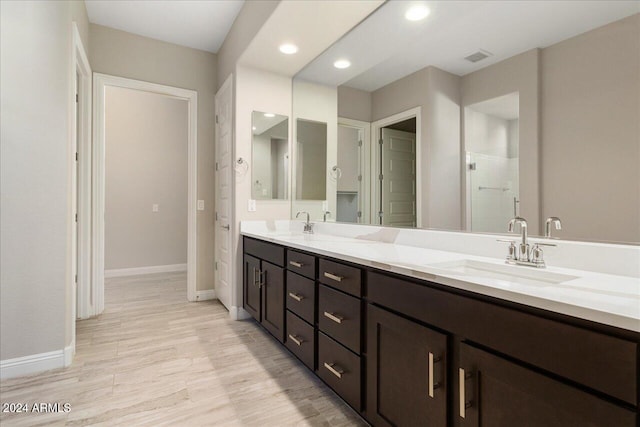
x=264 y=250
x=599 y=361
x=300 y=339
x=301 y=296
x=339 y=317
x=340 y=369
x=347 y=279
x=301 y=263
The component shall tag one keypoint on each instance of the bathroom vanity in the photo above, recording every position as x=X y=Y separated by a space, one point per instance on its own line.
x=405 y=343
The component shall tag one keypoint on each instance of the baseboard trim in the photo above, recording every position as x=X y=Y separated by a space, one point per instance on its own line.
x=205 y=295
x=121 y=272
x=35 y=363
x=238 y=313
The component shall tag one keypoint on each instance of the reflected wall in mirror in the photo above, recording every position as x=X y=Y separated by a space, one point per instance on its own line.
x=311 y=160
x=270 y=156
x=520 y=112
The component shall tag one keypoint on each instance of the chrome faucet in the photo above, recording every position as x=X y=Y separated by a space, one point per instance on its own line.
x=547 y=226
x=523 y=249
x=325 y=215
x=522 y=254
x=308 y=227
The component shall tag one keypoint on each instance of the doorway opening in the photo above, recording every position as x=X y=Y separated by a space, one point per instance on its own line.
x=143 y=207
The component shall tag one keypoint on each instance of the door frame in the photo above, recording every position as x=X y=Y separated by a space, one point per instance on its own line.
x=376 y=128
x=365 y=166
x=100 y=83
x=79 y=258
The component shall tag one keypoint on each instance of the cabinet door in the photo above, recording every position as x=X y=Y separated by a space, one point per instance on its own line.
x=496 y=392
x=273 y=299
x=252 y=286
x=406 y=372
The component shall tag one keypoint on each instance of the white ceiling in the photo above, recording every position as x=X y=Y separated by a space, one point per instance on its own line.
x=387 y=47
x=197 y=24
x=313 y=26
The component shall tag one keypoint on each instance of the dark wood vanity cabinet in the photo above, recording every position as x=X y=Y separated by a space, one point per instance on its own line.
x=406 y=372
x=264 y=286
x=492 y=391
x=410 y=352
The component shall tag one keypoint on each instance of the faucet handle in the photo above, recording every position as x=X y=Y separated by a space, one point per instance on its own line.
x=513 y=251
x=544 y=244
x=506 y=241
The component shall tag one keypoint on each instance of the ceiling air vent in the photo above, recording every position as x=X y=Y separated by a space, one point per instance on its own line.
x=478 y=56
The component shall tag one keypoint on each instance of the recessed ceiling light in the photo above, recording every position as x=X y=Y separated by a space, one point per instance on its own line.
x=254 y=128
x=342 y=63
x=269 y=115
x=417 y=13
x=288 y=48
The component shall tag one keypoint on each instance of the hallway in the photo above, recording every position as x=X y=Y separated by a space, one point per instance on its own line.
x=152 y=358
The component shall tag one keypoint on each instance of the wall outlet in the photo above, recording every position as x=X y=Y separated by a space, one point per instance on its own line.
x=155 y=208
x=200 y=205
x=325 y=206
x=251 y=206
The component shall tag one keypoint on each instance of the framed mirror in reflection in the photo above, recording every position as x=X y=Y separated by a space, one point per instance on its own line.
x=483 y=111
x=270 y=156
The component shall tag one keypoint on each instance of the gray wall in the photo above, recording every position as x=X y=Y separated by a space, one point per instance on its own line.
x=251 y=18
x=35 y=211
x=354 y=104
x=146 y=164
x=126 y=55
x=591 y=138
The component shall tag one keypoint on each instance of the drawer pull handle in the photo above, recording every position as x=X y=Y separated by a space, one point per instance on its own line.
x=333 y=277
x=464 y=404
x=296 y=296
x=296 y=340
x=432 y=385
x=334 y=369
x=296 y=264
x=334 y=317
x=257 y=275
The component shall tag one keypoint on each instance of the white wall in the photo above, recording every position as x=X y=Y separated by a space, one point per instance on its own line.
x=146 y=164
x=255 y=90
x=127 y=55
x=35 y=211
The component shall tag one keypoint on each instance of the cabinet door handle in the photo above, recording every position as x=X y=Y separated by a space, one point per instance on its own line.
x=464 y=404
x=334 y=317
x=334 y=369
x=333 y=277
x=263 y=278
x=432 y=385
x=296 y=340
x=296 y=296
x=296 y=264
x=255 y=277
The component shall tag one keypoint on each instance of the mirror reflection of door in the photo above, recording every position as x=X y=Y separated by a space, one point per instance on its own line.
x=398 y=174
x=491 y=143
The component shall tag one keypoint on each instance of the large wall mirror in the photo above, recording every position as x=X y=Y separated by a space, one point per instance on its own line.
x=479 y=112
x=270 y=156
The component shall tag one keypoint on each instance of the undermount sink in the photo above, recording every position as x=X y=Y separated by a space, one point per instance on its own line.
x=513 y=274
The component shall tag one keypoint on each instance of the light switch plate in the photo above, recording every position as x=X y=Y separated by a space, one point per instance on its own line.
x=252 y=205
x=200 y=205
x=155 y=208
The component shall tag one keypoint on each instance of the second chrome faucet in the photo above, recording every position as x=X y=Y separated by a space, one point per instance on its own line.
x=523 y=253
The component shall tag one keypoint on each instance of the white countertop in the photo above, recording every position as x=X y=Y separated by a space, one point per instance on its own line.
x=604 y=298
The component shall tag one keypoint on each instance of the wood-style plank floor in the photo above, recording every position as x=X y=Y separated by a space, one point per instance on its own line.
x=154 y=359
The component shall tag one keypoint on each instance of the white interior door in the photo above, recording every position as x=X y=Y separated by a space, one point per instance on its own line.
x=223 y=257
x=398 y=178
